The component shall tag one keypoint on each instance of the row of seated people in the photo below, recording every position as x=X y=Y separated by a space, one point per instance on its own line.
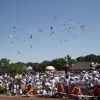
x=71 y=91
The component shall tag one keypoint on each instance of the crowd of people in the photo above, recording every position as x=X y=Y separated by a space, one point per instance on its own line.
x=48 y=84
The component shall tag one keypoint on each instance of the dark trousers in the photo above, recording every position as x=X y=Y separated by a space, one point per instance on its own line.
x=66 y=69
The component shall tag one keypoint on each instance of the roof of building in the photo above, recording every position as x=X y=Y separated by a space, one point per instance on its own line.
x=82 y=65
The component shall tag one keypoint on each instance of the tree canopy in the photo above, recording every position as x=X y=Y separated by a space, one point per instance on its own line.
x=89 y=58
x=6 y=66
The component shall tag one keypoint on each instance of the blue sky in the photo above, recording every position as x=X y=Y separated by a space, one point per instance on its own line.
x=76 y=30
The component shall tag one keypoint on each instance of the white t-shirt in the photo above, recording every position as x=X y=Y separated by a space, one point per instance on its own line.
x=56 y=79
x=7 y=86
x=20 y=91
x=38 y=91
x=95 y=81
x=44 y=92
x=77 y=82
x=54 y=92
x=1 y=84
x=0 y=77
x=87 y=85
x=14 y=91
x=65 y=82
x=82 y=84
x=52 y=82
x=50 y=92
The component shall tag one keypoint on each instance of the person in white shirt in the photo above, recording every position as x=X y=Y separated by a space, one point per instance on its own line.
x=20 y=92
x=6 y=86
x=14 y=91
x=50 y=93
x=65 y=83
x=94 y=80
x=56 y=79
x=84 y=73
x=55 y=92
x=1 y=76
x=1 y=83
x=76 y=81
x=38 y=91
x=52 y=82
x=82 y=85
x=44 y=92
x=87 y=88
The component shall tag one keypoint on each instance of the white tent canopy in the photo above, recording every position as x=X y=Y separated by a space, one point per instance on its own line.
x=50 y=68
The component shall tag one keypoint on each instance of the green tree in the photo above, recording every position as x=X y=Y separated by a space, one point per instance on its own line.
x=18 y=66
x=10 y=67
x=57 y=63
x=90 y=58
x=80 y=59
x=4 y=63
x=43 y=65
x=98 y=58
x=36 y=67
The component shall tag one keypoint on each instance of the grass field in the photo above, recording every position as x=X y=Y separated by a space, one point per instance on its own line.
x=3 y=94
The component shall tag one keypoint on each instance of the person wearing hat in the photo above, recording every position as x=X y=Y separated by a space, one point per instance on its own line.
x=82 y=83
x=94 y=80
x=76 y=81
x=87 y=87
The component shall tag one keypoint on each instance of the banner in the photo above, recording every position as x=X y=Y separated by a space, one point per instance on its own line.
x=59 y=73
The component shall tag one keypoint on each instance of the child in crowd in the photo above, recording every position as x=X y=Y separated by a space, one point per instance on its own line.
x=55 y=92
x=20 y=92
x=74 y=91
x=49 y=93
x=30 y=90
x=60 y=88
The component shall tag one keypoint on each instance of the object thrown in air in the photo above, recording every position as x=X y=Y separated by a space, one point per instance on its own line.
x=18 y=52
x=55 y=17
x=31 y=37
x=10 y=36
x=13 y=26
x=30 y=32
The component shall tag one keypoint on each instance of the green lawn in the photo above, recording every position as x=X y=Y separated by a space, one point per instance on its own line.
x=3 y=94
